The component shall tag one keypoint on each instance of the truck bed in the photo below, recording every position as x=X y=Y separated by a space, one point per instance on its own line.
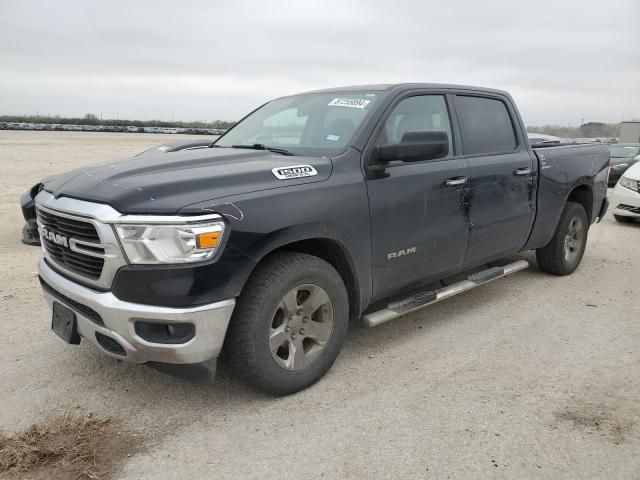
x=560 y=168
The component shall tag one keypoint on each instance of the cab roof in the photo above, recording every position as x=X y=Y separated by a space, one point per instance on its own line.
x=407 y=86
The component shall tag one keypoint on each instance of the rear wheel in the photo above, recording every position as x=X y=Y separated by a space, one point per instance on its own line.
x=289 y=323
x=563 y=254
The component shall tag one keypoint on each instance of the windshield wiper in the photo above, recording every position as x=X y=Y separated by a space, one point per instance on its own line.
x=262 y=146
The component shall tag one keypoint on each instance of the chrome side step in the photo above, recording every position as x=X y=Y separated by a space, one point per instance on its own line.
x=423 y=299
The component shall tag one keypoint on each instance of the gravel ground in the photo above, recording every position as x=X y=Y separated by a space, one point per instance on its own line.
x=531 y=376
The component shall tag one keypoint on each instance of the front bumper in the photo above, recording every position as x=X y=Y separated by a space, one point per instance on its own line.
x=118 y=319
x=625 y=202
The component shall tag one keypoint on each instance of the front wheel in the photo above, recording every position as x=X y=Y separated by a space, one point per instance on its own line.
x=563 y=254
x=289 y=323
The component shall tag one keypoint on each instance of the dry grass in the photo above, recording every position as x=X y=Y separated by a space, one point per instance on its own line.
x=67 y=446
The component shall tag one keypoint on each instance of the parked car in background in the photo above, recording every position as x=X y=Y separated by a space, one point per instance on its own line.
x=626 y=196
x=535 y=138
x=623 y=155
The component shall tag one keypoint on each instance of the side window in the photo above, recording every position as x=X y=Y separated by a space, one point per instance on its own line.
x=485 y=125
x=417 y=114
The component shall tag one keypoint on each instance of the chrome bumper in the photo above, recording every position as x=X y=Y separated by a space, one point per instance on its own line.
x=210 y=322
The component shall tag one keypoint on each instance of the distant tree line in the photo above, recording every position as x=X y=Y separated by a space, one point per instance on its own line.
x=586 y=130
x=91 y=119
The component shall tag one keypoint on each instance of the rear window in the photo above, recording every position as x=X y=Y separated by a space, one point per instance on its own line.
x=485 y=125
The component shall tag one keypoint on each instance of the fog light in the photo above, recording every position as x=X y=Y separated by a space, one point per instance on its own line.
x=167 y=333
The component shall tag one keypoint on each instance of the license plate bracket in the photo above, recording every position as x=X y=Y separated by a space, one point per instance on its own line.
x=64 y=324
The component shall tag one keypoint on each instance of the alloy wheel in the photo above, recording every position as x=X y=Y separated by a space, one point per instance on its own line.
x=573 y=239
x=301 y=327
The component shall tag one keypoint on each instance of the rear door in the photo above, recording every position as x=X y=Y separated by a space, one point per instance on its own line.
x=501 y=171
x=418 y=220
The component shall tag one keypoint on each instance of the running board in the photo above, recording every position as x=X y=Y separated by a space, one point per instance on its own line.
x=423 y=299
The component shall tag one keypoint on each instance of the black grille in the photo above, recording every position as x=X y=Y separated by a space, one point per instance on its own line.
x=88 y=312
x=80 y=263
x=629 y=208
x=69 y=227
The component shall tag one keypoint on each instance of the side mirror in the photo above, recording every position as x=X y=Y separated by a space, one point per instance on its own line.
x=415 y=147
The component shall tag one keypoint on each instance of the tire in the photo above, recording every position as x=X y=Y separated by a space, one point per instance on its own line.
x=563 y=254
x=269 y=312
x=623 y=219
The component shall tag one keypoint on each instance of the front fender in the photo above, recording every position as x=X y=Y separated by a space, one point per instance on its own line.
x=261 y=222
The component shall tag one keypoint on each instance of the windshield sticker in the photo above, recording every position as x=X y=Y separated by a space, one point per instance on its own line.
x=333 y=138
x=349 y=102
x=294 y=171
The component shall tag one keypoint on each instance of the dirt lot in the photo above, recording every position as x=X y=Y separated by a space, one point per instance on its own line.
x=528 y=377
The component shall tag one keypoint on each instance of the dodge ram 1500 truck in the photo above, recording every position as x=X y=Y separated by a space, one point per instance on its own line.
x=314 y=209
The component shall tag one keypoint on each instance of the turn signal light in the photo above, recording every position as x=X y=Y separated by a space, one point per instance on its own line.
x=208 y=239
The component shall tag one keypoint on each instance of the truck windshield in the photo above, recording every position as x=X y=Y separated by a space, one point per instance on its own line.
x=308 y=124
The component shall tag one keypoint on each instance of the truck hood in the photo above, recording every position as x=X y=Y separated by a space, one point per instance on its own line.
x=164 y=183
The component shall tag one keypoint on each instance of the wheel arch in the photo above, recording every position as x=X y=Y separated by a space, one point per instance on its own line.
x=583 y=194
x=334 y=253
x=551 y=203
x=319 y=241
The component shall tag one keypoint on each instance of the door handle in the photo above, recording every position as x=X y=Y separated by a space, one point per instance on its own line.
x=455 y=181
x=522 y=172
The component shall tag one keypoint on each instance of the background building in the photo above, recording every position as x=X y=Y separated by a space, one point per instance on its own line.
x=630 y=131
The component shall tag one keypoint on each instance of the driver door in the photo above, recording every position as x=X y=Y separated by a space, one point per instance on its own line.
x=418 y=220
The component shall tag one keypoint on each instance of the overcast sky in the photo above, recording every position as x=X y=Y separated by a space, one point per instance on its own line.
x=562 y=60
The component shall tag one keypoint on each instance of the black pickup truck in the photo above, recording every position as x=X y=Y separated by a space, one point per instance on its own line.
x=315 y=209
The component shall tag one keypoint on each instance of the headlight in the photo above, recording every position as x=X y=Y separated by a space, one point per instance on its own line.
x=629 y=183
x=620 y=165
x=177 y=243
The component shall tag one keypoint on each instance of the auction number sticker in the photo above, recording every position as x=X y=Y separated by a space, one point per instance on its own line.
x=349 y=102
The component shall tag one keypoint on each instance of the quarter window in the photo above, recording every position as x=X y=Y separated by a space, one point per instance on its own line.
x=485 y=125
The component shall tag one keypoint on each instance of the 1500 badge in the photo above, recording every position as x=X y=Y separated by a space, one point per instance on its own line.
x=294 y=171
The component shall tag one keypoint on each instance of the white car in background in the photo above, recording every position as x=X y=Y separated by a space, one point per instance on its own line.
x=626 y=196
